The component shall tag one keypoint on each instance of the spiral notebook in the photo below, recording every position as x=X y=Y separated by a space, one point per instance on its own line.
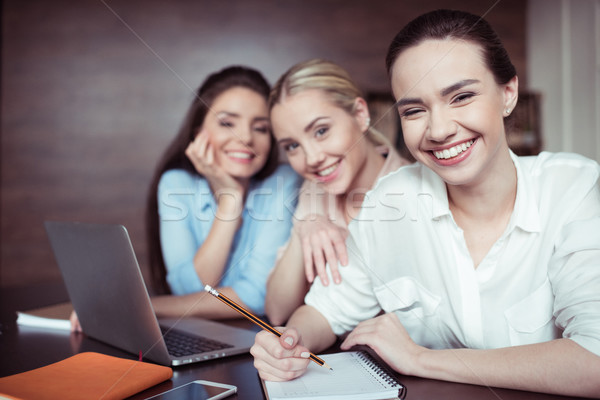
x=355 y=375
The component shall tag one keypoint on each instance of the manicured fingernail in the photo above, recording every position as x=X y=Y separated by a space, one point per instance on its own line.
x=289 y=340
x=305 y=354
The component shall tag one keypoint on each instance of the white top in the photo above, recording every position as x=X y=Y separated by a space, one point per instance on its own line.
x=313 y=199
x=539 y=281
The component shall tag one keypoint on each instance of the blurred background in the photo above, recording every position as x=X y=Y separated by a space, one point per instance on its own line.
x=92 y=91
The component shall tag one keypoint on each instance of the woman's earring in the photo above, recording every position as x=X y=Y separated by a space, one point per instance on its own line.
x=507 y=111
x=367 y=123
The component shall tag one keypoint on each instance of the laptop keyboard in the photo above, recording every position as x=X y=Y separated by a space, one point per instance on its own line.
x=180 y=344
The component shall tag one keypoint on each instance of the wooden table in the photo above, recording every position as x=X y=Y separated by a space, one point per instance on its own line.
x=25 y=348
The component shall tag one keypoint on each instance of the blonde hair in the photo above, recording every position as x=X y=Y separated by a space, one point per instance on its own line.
x=332 y=80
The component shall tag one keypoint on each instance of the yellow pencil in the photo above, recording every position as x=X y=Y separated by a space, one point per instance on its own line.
x=256 y=320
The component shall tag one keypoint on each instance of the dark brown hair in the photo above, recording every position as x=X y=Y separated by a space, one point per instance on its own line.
x=451 y=24
x=175 y=158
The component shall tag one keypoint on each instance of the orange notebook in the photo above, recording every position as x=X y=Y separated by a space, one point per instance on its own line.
x=85 y=375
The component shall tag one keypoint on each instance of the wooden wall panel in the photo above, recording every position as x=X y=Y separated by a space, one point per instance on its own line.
x=92 y=91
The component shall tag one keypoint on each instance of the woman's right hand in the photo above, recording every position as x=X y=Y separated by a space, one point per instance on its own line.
x=228 y=192
x=323 y=242
x=201 y=154
x=279 y=358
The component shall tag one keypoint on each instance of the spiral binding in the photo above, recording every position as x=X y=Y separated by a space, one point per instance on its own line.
x=382 y=373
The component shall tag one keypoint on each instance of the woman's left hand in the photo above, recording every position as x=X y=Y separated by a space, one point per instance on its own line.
x=323 y=242
x=387 y=336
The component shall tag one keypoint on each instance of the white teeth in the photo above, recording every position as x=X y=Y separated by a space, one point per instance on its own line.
x=327 y=171
x=453 y=151
x=236 y=154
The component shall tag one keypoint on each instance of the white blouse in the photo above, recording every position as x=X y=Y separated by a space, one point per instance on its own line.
x=539 y=281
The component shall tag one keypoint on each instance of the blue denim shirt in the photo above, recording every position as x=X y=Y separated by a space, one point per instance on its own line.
x=186 y=208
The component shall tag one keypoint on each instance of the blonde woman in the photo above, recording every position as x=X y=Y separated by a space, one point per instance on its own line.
x=322 y=123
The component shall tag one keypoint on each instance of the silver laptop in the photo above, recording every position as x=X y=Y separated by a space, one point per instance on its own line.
x=107 y=290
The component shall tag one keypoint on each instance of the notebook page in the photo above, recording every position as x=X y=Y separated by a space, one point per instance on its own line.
x=351 y=378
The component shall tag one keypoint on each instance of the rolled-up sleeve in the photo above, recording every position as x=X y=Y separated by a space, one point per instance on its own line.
x=346 y=304
x=176 y=196
x=574 y=272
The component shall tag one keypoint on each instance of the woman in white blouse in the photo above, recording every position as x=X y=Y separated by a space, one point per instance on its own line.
x=486 y=265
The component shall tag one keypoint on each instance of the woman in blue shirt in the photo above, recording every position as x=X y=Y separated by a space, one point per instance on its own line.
x=220 y=203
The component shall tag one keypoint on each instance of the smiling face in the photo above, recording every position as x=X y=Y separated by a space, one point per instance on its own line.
x=452 y=109
x=239 y=130
x=323 y=142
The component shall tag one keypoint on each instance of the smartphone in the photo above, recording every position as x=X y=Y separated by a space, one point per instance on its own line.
x=197 y=390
